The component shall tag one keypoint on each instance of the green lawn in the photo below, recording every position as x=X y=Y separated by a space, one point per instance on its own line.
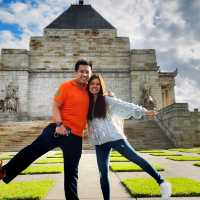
x=115 y=154
x=58 y=153
x=5 y=157
x=25 y=190
x=130 y=167
x=187 y=150
x=165 y=154
x=147 y=187
x=153 y=151
x=41 y=169
x=6 y=154
x=118 y=159
x=49 y=160
x=197 y=164
x=55 y=156
x=183 y=158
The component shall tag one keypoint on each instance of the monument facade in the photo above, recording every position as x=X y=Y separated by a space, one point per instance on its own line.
x=80 y=32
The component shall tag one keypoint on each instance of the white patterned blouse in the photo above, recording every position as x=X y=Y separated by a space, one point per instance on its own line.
x=110 y=128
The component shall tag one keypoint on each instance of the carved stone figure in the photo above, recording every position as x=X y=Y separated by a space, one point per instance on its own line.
x=146 y=99
x=11 y=102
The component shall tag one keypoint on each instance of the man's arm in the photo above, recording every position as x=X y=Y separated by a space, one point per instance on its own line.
x=60 y=129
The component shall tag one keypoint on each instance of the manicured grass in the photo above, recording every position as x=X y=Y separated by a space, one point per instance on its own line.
x=5 y=157
x=147 y=187
x=130 y=167
x=197 y=164
x=25 y=190
x=6 y=154
x=55 y=156
x=115 y=154
x=118 y=159
x=187 y=150
x=47 y=169
x=153 y=151
x=58 y=153
x=49 y=160
x=183 y=158
x=165 y=154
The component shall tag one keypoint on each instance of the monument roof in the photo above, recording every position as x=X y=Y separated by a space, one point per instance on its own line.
x=80 y=16
x=172 y=74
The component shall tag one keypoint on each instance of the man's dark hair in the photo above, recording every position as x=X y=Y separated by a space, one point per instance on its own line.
x=82 y=62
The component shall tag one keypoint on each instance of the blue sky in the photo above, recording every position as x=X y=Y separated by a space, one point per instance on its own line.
x=171 y=27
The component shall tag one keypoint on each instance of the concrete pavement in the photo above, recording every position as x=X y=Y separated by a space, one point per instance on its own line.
x=89 y=188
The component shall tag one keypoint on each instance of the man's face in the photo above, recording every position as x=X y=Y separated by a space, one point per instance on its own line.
x=83 y=74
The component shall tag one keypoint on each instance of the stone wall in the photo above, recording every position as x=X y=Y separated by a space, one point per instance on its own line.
x=43 y=85
x=16 y=59
x=181 y=125
x=60 y=49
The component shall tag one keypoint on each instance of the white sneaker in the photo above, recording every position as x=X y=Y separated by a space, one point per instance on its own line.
x=165 y=190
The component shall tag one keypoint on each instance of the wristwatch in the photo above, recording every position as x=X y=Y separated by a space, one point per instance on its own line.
x=58 y=124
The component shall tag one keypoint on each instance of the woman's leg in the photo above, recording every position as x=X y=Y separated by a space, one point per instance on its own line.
x=102 y=154
x=123 y=147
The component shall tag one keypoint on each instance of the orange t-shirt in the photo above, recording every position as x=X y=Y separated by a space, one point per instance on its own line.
x=74 y=103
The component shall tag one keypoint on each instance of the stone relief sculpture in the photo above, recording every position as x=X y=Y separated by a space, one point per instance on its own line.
x=146 y=98
x=11 y=102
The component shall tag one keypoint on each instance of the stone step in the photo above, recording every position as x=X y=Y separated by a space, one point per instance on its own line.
x=144 y=134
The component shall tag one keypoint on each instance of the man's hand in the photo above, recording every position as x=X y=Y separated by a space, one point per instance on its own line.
x=151 y=114
x=61 y=130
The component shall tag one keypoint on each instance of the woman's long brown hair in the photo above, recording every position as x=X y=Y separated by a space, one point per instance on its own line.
x=97 y=109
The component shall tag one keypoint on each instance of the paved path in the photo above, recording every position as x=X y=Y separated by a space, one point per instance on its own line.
x=89 y=188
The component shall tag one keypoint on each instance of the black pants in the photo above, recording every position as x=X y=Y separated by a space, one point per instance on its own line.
x=71 y=146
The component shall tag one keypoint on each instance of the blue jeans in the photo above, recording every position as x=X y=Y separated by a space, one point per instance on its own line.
x=71 y=146
x=123 y=147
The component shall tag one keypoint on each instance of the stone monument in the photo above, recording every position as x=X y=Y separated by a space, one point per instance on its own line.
x=80 y=32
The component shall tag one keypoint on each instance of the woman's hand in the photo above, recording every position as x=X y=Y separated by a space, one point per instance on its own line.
x=110 y=93
x=151 y=114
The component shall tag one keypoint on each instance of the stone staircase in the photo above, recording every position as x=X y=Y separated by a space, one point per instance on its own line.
x=16 y=135
x=146 y=134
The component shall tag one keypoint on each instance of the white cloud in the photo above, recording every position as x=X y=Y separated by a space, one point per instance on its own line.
x=18 y=7
x=187 y=90
x=148 y=24
x=12 y=41
x=30 y=19
x=187 y=50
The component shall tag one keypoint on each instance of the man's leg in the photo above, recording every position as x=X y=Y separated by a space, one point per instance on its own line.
x=102 y=154
x=72 y=149
x=30 y=153
x=123 y=147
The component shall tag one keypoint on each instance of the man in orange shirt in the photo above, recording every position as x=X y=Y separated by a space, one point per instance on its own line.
x=70 y=108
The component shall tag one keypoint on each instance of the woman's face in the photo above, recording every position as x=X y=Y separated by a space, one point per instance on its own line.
x=95 y=86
